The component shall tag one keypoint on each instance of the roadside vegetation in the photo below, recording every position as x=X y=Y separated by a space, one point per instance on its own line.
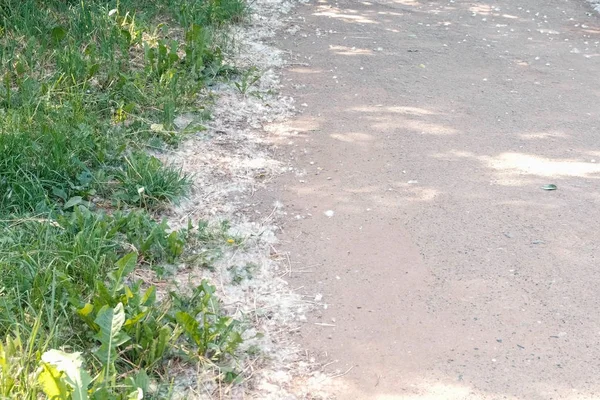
x=87 y=88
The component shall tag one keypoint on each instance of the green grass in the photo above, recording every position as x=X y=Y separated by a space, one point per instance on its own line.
x=146 y=180
x=85 y=87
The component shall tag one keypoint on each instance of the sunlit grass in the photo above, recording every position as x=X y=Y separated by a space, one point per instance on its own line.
x=83 y=87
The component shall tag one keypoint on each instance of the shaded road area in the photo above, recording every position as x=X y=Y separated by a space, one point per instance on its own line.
x=427 y=132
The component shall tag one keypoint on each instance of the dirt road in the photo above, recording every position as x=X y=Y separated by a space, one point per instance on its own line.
x=427 y=132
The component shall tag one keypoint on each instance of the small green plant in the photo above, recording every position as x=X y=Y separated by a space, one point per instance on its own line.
x=210 y=242
x=216 y=233
x=132 y=329
x=242 y=273
x=247 y=80
x=144 y=324
x=212 y=334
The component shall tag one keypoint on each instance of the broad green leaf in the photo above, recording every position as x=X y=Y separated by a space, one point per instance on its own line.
x=110 y=321
x=134 y=320
x=149 y=296
x=142 y=380
x=190 y=326
x=125 y=266
x=103 y=296
x=58 y=192
x=71 y=365
x=73 y=201
x=164 y=335
x=85 y=178
x=52 y=384
x=231 y=375
x=128 y=293
x=103 y=393
x=137 y=394
x=139 y=383
x=85 y=314
x=235 y=339
x=86 y=310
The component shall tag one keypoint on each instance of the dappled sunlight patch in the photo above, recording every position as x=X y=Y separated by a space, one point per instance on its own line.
x=297 y=128
x=513 y=167
x=413 y=3
x=299 y=70
x=393 y=109
x=386 y=118
x=541 y=166
x=544 y=135
x=345 y=15
x=412 y=191
x=482 y=9
x=350 y=51
x=423 y=194
x=304 y=189
x=419 y=389
x=433 y=391
x=593 y=31
x=364 y=189
x=420 y=127
x=397 y=14
x=352 y=137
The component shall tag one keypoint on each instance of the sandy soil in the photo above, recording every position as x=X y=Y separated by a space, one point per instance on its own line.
x=416 y=217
